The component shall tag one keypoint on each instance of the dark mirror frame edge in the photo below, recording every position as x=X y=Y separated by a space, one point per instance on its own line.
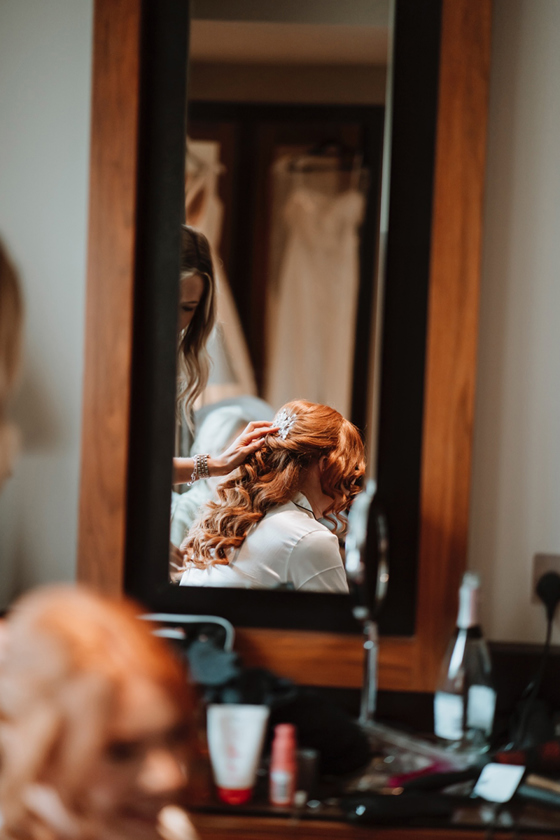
x=160 y=208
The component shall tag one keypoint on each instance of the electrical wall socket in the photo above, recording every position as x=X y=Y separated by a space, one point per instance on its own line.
x=543 y=563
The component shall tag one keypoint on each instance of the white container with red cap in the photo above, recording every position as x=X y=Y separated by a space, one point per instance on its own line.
x=235 y=741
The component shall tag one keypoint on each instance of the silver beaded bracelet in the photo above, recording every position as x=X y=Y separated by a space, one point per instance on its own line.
x=200 y=469
x=203 y=470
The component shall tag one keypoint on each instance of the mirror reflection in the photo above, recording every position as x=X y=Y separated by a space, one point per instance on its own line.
x=265 y=529
x=282 y=180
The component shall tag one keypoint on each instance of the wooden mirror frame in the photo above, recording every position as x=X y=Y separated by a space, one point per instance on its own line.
x=117 y=158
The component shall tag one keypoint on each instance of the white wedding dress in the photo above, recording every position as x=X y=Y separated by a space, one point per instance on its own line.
x=311 y=351
x=231 y=373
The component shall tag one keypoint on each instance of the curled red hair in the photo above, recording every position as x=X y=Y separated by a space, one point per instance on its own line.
x=68 y=660
x=274 y=474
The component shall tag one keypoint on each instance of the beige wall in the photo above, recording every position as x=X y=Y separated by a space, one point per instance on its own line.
x=45 y=77
x=516 y=483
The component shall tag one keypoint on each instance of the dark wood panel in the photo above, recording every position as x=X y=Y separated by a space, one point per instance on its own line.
x=414 y=114
x=328 y=659
x=109 y=301
x=452 y=323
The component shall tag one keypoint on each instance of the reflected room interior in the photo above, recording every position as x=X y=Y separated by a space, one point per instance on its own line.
x=275 y=130
x=283 y=176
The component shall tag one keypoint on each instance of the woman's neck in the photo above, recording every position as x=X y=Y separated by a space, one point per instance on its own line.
x=313 y=491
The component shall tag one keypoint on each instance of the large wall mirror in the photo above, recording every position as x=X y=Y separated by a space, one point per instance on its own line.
x=283 y=175
x=271 y=129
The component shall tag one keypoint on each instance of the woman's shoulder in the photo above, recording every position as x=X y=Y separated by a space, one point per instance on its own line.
x=287 y=529
x=214 y=576
x=316 y=563
x=281 y=529
x=320 y=538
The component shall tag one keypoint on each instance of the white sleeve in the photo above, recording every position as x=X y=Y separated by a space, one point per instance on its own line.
x=315 y=564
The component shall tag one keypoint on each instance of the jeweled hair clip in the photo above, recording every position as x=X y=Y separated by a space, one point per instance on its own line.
x=285 y=420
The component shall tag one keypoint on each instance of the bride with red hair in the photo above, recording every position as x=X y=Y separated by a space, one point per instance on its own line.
x=263 y=531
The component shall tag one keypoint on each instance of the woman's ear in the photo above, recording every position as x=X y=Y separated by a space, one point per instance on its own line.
x=323 y=463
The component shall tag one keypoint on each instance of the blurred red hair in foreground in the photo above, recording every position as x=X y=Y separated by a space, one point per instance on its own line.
x=93 y=714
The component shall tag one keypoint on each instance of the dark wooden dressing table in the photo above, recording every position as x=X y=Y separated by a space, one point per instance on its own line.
x=221 y=826
x=260 y=821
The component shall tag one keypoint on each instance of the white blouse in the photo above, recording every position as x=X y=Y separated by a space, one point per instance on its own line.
x=287 y=547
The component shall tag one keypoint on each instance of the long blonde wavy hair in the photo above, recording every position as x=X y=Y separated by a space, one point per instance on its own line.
x=193 y=363
x=274 y=474
x=67 y=660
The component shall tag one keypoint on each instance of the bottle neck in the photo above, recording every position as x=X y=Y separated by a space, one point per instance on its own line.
x=468 y=607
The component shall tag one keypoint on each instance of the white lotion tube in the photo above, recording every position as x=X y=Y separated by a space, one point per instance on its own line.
x=235 y=740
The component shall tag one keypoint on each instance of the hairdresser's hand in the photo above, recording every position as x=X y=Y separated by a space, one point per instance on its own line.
x=251 y=438
x=176 y=563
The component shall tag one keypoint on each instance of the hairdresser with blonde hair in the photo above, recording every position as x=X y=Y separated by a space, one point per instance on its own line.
x=263 y=532
x=197 y=316
x=11 y=317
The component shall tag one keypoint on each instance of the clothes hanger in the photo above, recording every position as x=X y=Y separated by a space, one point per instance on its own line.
x=344 y=157
x=195 y=165
x=333 y=156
